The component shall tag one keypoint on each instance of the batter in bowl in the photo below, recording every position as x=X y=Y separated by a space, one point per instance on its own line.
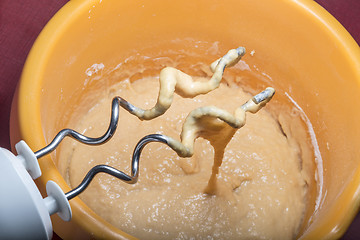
x=261 y=185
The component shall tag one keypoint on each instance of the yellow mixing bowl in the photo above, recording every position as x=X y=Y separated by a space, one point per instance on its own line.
x=307 y=53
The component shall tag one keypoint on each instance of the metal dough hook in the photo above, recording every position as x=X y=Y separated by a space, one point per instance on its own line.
x=259 y=99
x=131 y=179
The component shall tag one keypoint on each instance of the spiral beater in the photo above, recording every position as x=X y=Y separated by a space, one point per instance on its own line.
x=133 y=177
x=171 y=80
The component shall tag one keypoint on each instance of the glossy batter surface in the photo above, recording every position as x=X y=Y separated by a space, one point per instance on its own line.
x=259 y=192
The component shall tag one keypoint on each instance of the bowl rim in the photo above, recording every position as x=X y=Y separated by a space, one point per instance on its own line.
x=29 y=96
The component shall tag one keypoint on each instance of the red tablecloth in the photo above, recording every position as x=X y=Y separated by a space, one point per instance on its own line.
x=22 y=21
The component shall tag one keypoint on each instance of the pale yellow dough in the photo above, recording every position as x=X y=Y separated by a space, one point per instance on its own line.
x=260 y=188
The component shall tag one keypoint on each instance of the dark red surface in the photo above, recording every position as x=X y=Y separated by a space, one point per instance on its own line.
x=22 y=21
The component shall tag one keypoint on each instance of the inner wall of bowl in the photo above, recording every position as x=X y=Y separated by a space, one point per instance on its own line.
x=299 y=55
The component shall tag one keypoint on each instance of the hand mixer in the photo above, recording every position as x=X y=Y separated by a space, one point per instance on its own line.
x=25 y=214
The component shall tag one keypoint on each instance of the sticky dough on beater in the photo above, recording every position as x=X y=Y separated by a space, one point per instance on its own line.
x=173 y=80
x=205 y=118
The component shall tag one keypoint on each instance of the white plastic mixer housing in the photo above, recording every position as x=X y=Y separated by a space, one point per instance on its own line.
x=24 y=213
